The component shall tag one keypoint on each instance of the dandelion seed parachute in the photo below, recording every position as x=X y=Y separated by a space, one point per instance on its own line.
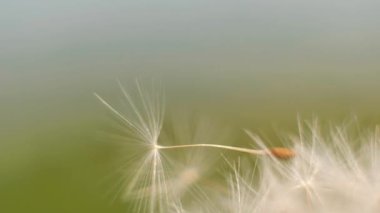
x=144 y=126
x=155 y=180
x=325 y=172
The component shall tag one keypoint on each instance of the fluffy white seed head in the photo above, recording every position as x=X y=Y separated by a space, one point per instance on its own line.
x=328 y=174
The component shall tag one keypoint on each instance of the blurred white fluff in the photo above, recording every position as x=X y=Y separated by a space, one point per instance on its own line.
x=332 y=171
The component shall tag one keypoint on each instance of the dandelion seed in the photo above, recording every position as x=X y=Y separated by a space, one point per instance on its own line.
x=325 y=173
x=282 y=153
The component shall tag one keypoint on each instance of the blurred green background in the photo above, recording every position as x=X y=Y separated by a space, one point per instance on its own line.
x=248 y=64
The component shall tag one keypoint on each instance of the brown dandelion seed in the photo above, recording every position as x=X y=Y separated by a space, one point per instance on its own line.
x=281 y=153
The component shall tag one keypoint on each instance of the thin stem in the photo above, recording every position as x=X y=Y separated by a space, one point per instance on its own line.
x=239 y=149
x=277 y=152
